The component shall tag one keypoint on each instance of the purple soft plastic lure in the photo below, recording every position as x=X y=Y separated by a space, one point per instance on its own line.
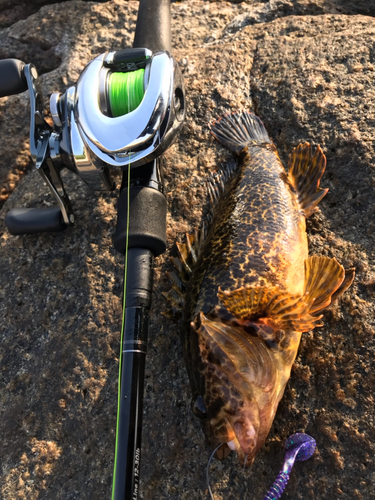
x=298 y=447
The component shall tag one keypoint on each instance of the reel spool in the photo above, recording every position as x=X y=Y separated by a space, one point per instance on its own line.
x=125 y=91
x=121 y=93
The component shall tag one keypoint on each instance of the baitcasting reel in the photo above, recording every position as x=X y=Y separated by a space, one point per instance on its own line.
x=124 y=110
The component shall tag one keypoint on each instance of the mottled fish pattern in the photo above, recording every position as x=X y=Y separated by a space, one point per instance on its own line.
x=246 y=288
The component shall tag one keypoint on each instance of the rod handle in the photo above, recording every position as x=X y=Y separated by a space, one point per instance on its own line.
x=153 y=29
x=34 y=220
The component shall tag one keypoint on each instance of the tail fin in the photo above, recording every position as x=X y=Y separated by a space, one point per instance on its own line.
x=240 y=129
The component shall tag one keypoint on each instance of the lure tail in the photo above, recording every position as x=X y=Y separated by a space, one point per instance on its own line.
x=238 y=130
x=299 y=447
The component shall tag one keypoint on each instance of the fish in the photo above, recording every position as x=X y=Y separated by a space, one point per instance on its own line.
x=244 y=287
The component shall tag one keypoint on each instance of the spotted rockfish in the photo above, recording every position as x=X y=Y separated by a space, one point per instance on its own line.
x=246 y=288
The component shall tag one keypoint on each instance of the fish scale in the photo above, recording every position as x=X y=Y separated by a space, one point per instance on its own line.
x=233 y=254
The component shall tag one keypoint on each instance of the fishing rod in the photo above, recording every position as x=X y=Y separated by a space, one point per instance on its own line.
x=122 y=114
x=145 y=238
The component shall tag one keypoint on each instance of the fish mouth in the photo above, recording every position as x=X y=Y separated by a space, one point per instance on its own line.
x=240 y=375
x=245 y=459
x=238 y=433
x=244 y=440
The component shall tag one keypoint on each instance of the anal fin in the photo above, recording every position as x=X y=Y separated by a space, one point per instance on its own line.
x=304 y=173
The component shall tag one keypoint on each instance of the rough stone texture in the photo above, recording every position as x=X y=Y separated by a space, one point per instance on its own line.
x=50 y=38
x=309 y=76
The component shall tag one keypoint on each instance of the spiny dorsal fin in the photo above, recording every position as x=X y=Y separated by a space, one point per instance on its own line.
x=178 y=285
x=188 y=252
x=176 y=302
x=304 y=173
x=240 y=129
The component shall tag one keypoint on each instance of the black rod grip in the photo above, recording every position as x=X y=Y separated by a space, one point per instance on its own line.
x=139 y=277
x=153 y=29
x=147 y=222
x=12 y=79
x=34 y=220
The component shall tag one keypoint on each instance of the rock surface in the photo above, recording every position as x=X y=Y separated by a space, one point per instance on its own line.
x=307 y=69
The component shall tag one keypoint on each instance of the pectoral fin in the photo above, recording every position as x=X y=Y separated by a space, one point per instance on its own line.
x=348 y=280
x=271 y=307
x=325 y=280
x=304 y=173
x=227 y=350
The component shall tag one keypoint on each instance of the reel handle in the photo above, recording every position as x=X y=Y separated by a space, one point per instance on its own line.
x=34 y=220
x=12 y=78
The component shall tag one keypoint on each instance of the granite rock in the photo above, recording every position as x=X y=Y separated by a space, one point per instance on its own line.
x=307 y=69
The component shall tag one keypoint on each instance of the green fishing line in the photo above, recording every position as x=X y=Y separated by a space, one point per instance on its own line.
x=121 y=338
x=125 y=91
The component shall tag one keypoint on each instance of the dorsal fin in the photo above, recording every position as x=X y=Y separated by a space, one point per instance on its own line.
x=325 y=280
x=215 y=186
x=183 y=267
x=304 y=173
x=240 y=129
x=188 y=251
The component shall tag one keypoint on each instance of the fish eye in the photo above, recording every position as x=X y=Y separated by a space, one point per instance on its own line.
x=199 y=408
